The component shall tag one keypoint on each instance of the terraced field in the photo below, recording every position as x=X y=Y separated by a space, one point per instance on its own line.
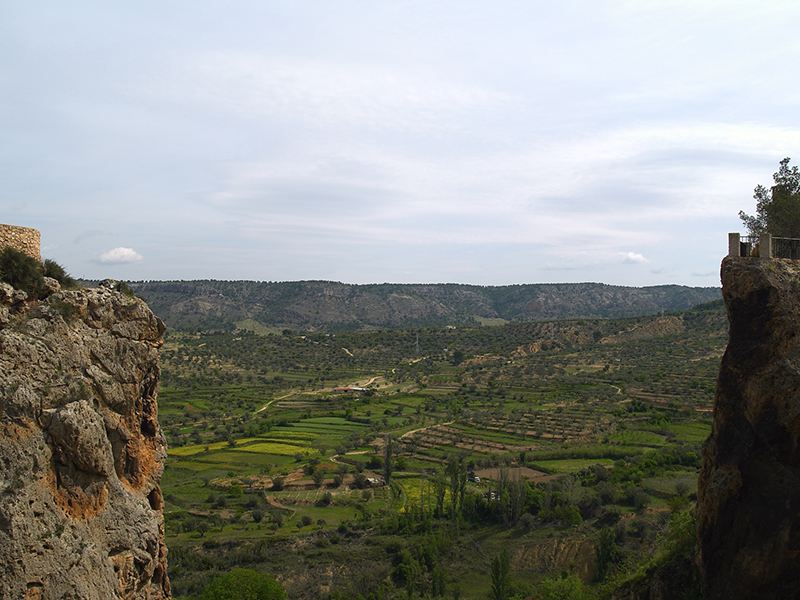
x=593 y=424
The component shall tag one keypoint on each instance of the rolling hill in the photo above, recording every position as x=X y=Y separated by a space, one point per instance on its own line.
x=332 y=306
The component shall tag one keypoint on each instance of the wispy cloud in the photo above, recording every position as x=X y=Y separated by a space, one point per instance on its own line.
x=368 y=142
x=88 y=234
x=323 y=93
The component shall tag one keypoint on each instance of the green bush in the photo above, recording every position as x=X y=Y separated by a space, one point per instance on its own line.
x=25 y=273
x=244 y=584
x=21 y=271
x=566 y=587
x=57 y=272
x=682 y=533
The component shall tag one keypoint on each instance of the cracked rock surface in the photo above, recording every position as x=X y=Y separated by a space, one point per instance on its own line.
x=81 y=451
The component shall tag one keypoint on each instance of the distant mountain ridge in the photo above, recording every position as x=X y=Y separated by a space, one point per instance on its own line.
x=332 y=306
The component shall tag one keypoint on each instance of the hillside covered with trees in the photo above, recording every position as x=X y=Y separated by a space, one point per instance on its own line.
x=331 y=306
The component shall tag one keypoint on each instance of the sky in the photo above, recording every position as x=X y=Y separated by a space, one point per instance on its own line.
x=488 y=143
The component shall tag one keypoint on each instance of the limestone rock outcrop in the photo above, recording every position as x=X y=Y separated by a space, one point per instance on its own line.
x=81 y=451
x=748 y=508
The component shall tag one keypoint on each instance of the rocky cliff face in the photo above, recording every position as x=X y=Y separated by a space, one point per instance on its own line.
x=748 y=506
x=81 y=452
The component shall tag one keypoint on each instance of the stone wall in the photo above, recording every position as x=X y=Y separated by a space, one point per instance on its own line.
x=24 y=239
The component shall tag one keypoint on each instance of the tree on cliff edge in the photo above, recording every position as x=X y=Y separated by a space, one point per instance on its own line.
x=777 y=208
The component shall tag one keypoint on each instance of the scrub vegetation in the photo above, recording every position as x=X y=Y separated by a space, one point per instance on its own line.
x=25 y=273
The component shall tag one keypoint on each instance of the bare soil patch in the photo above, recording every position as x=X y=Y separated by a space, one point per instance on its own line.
x=513 y=473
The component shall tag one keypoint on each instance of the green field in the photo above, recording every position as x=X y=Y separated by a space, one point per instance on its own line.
x=691 y=433
x=571 y=465
x=268 y=467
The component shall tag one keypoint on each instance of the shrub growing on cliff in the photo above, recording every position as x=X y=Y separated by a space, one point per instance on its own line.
x=25 y=273
x=21 y=271
x=57 y=272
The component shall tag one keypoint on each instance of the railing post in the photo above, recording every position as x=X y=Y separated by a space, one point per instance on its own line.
x=765 y=245
x=733 y=244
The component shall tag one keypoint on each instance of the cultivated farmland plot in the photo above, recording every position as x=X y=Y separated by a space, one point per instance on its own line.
x=263 y=454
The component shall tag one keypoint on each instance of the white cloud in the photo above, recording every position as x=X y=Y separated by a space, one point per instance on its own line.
x=632 y=258
x=120 y=255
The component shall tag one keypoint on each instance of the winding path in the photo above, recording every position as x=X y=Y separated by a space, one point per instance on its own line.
x=408 y=433
x=266 y=406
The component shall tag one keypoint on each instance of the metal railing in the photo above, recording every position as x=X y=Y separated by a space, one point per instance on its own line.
x=786 y=248
x=763 y=246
